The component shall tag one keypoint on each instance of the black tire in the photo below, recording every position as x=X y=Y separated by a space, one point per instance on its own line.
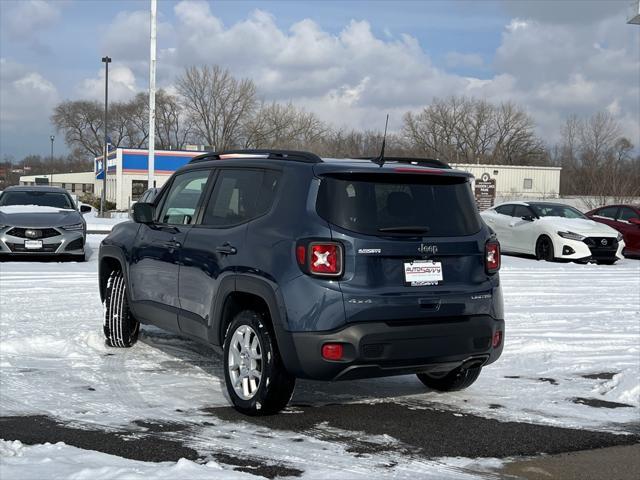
x=607 y=262
x=544 y=249
x=275 y=386
x=458 y=379
x=120 y=327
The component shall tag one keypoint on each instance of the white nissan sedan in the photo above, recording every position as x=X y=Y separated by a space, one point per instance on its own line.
x=553 y=231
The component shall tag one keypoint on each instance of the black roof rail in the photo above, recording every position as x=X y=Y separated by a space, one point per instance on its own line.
x=291 y=155
x=423 y=162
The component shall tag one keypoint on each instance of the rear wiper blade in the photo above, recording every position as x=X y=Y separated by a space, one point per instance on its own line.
x=407 y=229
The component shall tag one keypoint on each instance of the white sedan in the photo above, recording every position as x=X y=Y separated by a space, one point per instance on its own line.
x=553 y=231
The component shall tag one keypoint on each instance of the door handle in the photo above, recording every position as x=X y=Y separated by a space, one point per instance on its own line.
x=172 y=244
x=226 y=249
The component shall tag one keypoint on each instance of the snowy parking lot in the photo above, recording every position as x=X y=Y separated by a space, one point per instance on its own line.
x=571 y=361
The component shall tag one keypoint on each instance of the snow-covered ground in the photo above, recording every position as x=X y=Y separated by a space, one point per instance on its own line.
x=573 y=335
x=97 y=224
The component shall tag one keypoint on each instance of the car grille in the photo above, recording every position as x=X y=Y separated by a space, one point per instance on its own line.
x=19 y=248
x=37 y=232
x=602 y=247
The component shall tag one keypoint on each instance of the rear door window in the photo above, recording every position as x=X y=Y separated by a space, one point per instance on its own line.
x=240 y=195
x=522 y=211
x=393 y=205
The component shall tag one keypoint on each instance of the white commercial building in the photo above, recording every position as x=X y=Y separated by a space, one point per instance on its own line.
x=75 y=183
x=517 y=181
x=127 y=173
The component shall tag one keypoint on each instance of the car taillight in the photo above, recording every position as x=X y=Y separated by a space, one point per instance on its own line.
x=322 y=258
x=325 y=258
x=492 y=256
x=301 y=254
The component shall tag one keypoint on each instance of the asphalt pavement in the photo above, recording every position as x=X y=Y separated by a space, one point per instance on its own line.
x=422 y=432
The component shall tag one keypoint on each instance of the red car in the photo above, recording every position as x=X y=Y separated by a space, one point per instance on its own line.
x=625 y=219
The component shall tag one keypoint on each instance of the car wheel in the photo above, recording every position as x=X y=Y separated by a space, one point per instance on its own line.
x=120 y=327
x=256 y=379
x=544 y=249
x=458 y=379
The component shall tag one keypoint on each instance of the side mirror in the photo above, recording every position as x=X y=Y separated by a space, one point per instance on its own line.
x=634 y=221
x=85 y=208
x=143 y=212
x=528 y=218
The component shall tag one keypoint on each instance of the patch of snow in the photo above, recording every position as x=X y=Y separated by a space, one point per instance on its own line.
x=61 y=461
x=563 y=321
x=99 y=224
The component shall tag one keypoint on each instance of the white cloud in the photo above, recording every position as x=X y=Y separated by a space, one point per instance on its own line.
x=353 y=77
x=122 y=84
x=25 y=20
x=552 y=69
x=26 y=102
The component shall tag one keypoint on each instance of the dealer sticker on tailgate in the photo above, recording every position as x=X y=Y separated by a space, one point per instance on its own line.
x=422 y=272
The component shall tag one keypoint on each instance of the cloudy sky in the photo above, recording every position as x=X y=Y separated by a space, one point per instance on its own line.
x=349 y=62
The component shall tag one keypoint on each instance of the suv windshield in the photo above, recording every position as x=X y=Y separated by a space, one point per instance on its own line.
x=41 y=199
x=563 y=211
x=393 y=205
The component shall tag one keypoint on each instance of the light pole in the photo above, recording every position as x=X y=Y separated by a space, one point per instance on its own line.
x=103 y=198
x=52 y=138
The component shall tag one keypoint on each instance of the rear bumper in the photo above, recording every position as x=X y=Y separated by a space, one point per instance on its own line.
x=377 y=349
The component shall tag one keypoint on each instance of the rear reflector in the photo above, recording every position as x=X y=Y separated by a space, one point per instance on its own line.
x=492 y=256
x=332 y=351
x=497 y=339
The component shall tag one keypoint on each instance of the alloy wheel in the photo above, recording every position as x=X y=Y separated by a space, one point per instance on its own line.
x=245 y=362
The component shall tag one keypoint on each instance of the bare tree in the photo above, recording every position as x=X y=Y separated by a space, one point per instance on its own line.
x=282 y=126
x=82 y=124
x=516 y=142
x=217 y=103
x=173 y=128
x=597 y=162
x=460 y=129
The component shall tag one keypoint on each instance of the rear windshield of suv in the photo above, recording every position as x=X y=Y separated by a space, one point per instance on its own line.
x=393 y=205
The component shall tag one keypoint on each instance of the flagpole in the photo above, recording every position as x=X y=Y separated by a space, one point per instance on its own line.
x=152 y=98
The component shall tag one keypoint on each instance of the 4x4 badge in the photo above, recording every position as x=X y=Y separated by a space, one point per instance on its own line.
x=433 y=249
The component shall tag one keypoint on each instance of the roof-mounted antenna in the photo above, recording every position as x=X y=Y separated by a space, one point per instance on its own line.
x=379 y=160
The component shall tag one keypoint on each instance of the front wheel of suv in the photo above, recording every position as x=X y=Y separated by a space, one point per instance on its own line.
x=256 y=379
x=458 y=379
x=120 y=327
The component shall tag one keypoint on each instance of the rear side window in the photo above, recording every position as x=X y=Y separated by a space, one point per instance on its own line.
x=398 y=204
x=607 y=212
x=627 y=213
x=239 y=196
